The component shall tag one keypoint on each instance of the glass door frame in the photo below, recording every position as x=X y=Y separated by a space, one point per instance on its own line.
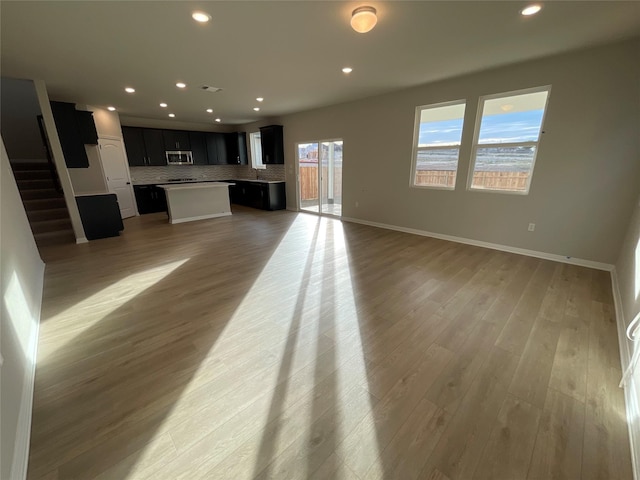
x=320 y=180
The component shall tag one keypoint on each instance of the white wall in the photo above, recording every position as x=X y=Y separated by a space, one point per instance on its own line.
x=21 y=274
x=91 y=179
x=627 y=293
x=587 y=169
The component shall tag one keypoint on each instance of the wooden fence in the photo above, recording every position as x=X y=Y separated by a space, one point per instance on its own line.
x=309 y=182
x=494 y=180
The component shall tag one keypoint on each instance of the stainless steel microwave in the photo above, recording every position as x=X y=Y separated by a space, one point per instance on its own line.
x=179 y=157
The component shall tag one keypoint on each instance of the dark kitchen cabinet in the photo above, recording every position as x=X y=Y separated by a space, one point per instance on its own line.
x=100 y=215
x=70 y=134
x=236 y=145
x=176 y=140
x=150 y=199
x=216 y=148
x=271 y=139
x=198 y=141
x=144 y=146
x=266 y=196
x=87 y=127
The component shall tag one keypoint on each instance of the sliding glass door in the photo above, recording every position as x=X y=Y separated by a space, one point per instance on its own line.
x=320 y=176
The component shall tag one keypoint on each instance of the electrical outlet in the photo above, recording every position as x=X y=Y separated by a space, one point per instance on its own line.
x=532 y=227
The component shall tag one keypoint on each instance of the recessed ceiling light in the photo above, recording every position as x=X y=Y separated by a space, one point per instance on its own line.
x=257 y=109
x=218 y=120
x=209 y=110
x=531 y=10
x=201 y=17
x=129 y=89
x=111 y=109
x=172 y=115
x=163 y=105
x=347 y=70
x=259 y=99
x=181 y=85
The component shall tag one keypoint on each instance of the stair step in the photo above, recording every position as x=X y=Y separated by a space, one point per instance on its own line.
x=47 y=214
x=32 y=174
x=28 y=166
x=34 y=183
x=44 y=204
x=41 y=193
x=49 y=226
x=59 y=237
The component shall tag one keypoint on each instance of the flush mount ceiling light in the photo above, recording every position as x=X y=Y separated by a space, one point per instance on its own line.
x=163 y=105
x=201 y=17
x=111 y=109
x=129 y=89
x=181 y=85
x=172 y=115
x=347 y=70
x=531 y=10
x=363 y=19
x=209 y=110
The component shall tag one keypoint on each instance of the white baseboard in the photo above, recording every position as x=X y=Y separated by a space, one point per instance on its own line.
x=200 y=217
x=81 y=240
x=20 y=460
x=494 y=246
x=631 y=389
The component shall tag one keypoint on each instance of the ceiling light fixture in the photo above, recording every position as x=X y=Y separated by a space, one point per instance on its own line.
x=172 y=115
x=257 y=109
x=129 y=89
x=363 y=19
x=259 y=99
x=218 y=120
x=347 y=70
x=201 y=17
x=209 y=110
x=163 y=105
x=531 y=10
x=181 y=85
x=111 y=109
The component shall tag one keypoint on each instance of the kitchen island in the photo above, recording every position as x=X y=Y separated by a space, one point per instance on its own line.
x=188 y=202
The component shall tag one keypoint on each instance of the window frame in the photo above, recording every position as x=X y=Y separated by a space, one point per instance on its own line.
x=475 y=146
x=254 y=163
x=416 y=138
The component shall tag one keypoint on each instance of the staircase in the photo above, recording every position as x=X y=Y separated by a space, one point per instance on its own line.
x=44 y=203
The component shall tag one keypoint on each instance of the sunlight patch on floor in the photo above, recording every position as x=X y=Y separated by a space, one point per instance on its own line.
x=84 y=315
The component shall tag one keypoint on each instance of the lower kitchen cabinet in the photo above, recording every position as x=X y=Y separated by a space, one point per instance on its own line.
x=150 y=199
x=266 y=196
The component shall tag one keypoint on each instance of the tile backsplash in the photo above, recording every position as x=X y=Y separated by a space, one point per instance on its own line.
x=142 y=175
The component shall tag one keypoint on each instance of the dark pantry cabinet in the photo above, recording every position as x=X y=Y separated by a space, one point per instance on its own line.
x=76 y=129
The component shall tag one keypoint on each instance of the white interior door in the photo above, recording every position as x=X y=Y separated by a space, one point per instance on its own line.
x=116 y=172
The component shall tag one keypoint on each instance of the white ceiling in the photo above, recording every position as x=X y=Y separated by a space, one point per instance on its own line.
x=289 y=52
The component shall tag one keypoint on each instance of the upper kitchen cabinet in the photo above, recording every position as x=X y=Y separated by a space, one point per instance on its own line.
x=198 y=141
x=176 y=140
x=144 y=146
x=271 y=139
x=216 y=148
x=75 y=129
x=236 y=145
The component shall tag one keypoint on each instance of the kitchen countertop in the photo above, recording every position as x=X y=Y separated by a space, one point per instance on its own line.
x=165 y=182
x=182 y=186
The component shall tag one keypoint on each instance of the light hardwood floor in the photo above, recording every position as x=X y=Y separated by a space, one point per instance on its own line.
x=281 y=345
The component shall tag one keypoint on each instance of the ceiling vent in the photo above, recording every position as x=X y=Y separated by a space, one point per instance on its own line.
x=207 y=88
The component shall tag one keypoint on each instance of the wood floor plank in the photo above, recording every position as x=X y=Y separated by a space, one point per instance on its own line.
x=508 y=451
x=461 y=445
x=558 y=449
x=284 y=345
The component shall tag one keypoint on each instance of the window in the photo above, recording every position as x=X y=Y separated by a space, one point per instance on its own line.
x=436 y=146
x=506 y=140
x=256 y=150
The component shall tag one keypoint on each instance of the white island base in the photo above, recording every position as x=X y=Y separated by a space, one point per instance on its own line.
x=188 y=202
